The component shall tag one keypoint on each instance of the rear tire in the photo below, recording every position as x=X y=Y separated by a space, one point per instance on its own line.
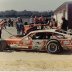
x=54 y=47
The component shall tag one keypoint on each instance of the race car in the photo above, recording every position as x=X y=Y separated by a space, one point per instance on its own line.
x=39 y=40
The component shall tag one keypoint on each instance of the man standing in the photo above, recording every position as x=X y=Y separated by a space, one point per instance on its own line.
x=1 y=25
x=5 y=23
x=64 y=24
x=9 y=22
x=19 y=26
x=41 y=20
x=36 y=21
x=31 y=21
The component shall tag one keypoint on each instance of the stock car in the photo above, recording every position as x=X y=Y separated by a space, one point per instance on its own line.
x=40 y=40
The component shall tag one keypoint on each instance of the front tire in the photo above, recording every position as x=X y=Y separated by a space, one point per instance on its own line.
x=3 y=45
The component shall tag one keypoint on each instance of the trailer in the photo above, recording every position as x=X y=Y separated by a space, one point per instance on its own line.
x=65 y=10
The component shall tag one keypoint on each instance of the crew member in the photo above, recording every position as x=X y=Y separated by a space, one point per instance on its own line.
x=36 y=21
x=64 y=24
x=1 y=25
x=19 y=26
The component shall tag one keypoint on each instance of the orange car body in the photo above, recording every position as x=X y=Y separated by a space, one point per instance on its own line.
x=33 y=42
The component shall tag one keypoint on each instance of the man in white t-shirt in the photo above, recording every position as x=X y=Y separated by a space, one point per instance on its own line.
x=31 y=21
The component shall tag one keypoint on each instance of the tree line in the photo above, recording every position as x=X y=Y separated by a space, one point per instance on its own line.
x=25 y=13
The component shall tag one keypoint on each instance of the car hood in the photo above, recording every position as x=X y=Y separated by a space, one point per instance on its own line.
x=13 y=39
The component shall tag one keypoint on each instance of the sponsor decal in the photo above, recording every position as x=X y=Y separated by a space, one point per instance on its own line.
x=67 y=42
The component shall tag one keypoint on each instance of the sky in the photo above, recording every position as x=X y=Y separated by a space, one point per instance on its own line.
x=31 y=5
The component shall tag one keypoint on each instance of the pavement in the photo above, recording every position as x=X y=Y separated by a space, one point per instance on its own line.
x=9 y=31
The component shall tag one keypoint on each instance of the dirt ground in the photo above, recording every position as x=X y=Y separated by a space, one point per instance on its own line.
x=34 y=61
x=22 y=61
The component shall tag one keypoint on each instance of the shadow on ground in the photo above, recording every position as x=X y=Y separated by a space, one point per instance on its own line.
x=64 y=52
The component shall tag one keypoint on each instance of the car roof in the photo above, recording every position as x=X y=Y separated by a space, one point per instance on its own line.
x=49 y=30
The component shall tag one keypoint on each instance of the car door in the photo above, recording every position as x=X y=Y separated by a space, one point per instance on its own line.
x=26 y=42
x=38 y=41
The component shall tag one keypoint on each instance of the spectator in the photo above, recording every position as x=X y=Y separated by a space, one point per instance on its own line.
x=19 y=26
x=1 y=26
x=5 y=23
x=64 y=24
x=36 y=21
x=50 y=25
x=41 y=20
x=12 y=22
x=9 y=22
x=46 y=20
x=22 y=26
x=31 y=21
x=54 y=23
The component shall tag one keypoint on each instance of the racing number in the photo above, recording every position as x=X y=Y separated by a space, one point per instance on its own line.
x=37 y=44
